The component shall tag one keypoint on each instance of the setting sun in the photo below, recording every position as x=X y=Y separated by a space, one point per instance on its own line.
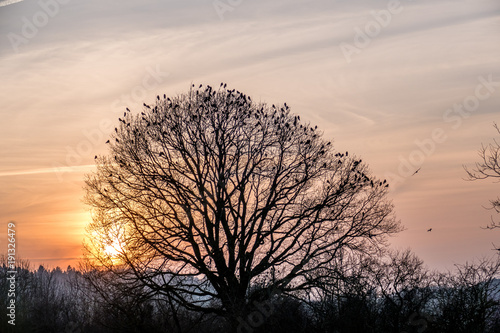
x=114 y=249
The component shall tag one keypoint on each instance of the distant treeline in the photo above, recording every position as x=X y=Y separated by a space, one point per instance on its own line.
x=395 y=294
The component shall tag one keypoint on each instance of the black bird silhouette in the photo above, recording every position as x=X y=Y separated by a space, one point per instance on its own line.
x=416 y=171
x=95 y=157
x=429 y=230
x=107 y=141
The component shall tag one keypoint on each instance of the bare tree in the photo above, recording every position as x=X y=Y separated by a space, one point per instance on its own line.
x=488 y=167
x=347 y=301
x=405 y=286
x=205 y=194
x=468 y=300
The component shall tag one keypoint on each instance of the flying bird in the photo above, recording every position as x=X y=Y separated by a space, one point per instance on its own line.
x=107 y=141
x=429 y=230
x=416 y=171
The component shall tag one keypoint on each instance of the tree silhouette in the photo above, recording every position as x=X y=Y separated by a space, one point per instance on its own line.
x=468 y=301
x=488 y=167
x=405 y=287
x=206 y=194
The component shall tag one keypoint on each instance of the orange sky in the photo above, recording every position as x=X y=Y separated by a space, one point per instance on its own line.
x=65 y=82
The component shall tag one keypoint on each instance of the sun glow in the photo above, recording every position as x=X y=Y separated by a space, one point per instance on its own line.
x=114 y=249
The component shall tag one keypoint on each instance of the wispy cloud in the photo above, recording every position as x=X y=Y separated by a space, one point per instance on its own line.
x=8 y=2
x=78 y=168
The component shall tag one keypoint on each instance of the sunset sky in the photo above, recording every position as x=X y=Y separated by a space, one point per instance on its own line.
x=401 y=84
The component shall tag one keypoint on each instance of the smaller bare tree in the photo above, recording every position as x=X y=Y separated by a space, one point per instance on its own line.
x=488 y=167
x=468 y=300
x=405 y=286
